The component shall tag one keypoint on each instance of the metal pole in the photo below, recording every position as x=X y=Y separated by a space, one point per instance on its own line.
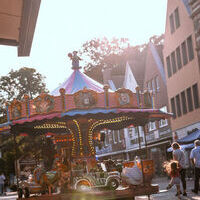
x=16 y=150
x=141 y=159
x=139 y=142
x=145 y=142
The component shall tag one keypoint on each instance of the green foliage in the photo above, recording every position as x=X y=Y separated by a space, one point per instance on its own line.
x=9 y=162
x=2 y=165
x=36 y=147
x=18 y=83
x=102 y=53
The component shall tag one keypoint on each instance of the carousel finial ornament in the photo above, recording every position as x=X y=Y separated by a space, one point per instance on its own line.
x=75 y=60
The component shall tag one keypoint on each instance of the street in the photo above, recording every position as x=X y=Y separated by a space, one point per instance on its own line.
x=162 y=195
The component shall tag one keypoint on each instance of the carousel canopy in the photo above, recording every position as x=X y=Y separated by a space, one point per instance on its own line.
x=81 y=96
x=76 y=82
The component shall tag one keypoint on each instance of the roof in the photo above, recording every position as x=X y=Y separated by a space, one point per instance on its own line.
x=158 y=61
x=76 y=82
x=190 y=138
x=129 y=79
x=17 y=23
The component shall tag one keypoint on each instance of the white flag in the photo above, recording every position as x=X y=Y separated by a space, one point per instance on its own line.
x=129 y=80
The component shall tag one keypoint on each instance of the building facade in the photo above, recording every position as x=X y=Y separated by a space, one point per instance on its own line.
x=195 y=15
x=181 y=68
x=159 y=134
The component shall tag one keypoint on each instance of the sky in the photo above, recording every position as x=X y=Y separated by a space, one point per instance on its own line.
x=65 y=25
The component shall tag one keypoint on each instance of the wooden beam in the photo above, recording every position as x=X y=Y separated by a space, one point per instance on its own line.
x=27 y=26
x=8 y=42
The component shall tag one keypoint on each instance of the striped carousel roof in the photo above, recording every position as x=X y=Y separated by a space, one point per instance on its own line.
x=78 y=81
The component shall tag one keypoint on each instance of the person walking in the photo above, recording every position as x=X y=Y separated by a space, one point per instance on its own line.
x=195 y=159
x=2 y=179
x=179 y=156
x=172 y=168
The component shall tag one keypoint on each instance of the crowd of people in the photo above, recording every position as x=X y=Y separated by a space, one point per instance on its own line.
x=177 y=168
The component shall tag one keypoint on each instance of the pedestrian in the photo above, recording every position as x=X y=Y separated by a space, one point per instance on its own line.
x=179 y=156
x=173 y=169
x=195 y=159
x=2 y=179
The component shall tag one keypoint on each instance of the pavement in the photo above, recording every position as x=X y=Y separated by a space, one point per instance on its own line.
x=162 y=195
x=170 y=194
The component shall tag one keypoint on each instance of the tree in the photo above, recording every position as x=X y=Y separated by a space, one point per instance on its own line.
x=102 y=53
x=114 y=54
x=15 y=85
x=20 y=82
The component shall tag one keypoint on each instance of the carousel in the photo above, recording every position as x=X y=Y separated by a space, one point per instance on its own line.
x=74 y=114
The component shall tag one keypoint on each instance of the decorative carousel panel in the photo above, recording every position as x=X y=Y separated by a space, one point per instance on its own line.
x=69 y=102
x=16 y=110
x=42 y=104
x=100 y=100
x=58 y=107
x=112 y=102
x=125 y=98
x=85 y=99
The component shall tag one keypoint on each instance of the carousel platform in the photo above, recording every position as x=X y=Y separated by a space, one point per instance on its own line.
x=120 y=193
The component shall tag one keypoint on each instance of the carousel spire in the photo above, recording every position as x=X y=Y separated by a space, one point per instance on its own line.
x=75 y=60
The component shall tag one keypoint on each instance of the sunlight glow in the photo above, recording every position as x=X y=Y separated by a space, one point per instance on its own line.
x=63 y=26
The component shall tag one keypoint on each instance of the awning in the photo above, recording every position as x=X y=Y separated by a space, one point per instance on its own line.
x=190 y=138
x=183 y=147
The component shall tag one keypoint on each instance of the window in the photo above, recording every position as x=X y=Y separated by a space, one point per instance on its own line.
x=190 y=48
x=152 y=126
x=168 y=67
x=178 y=105
x=163 y=122
x=157 y=83
x=173 y=59
x=177 y=19
x=106 y=138
x=121 y=134
x=189 y=99
x=130 y=132
x=115 y=137
x=178 y=57
x=184 y=53
x=171 y=18
x=183 y=100
x=118 y=134
x=136 y=131
x=136 y=140
x=195 y=95
x=173 y=107
x=153 y=86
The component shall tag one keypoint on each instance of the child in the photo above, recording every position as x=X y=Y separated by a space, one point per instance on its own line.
x=173 y=169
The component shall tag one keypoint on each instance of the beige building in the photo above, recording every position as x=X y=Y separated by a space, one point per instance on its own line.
x=181 y=68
